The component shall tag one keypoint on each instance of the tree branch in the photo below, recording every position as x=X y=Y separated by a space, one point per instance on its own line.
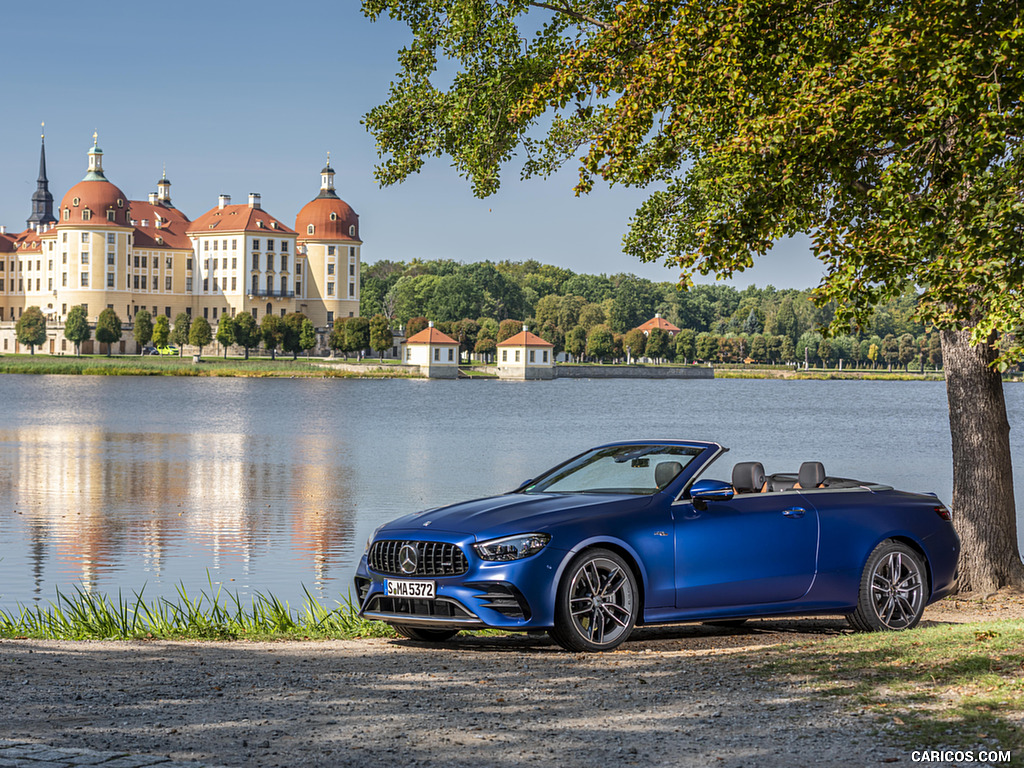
x=571 y=13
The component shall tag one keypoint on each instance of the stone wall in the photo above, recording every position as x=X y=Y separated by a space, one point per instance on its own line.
x=632 y=372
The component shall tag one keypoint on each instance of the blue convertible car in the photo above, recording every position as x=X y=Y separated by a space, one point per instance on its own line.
x=630 y=533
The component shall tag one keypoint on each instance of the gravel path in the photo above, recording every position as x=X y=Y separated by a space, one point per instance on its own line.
x=679 y=696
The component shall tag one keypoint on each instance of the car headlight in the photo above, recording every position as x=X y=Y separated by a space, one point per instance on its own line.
x=512 y=547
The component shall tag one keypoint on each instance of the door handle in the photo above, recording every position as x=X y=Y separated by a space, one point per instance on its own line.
x=794 y=512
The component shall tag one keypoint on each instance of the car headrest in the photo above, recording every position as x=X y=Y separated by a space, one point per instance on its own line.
x=811 y=475
x=748 y=477
x=666 y=472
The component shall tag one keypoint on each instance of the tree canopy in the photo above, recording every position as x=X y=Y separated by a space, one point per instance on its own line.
x=30 y=329
x=76 y=326
x=108 y=328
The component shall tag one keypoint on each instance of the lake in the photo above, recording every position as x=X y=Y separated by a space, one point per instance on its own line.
x=273 y=485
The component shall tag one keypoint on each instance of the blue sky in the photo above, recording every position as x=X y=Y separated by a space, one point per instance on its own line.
x=249 y=97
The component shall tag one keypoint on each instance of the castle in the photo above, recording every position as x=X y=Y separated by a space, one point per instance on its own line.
x=99 y=249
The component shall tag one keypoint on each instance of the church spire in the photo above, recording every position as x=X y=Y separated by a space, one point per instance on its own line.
x=42 y=200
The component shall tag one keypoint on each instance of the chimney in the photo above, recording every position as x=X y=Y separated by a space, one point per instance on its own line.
x=223 y=200
x=153 y=198
x=254 y=199
x=3 y=229
x=430 y=324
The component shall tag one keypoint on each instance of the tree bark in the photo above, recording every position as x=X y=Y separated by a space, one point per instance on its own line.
x=984 y=513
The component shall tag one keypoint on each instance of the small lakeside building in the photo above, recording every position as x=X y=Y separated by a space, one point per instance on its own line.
x=526 y=356
x=436 y=353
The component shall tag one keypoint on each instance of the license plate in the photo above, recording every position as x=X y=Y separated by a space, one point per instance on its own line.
x=424 y=590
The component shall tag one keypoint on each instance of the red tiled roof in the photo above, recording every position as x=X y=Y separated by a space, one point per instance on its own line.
x=525 y=339
x=238 y=218
x=171 y=230
x=430 y=336
x=98 y=196
x=318 y=213
x=657 y=322
x=27 y=241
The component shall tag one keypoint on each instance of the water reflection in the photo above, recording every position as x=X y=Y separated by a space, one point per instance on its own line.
x=91 y=504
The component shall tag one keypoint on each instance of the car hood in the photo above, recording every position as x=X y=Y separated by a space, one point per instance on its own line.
x=516 y=513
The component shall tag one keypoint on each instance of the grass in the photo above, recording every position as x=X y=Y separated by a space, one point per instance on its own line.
x=137 y=365
x=958 y=686
x=216 y=615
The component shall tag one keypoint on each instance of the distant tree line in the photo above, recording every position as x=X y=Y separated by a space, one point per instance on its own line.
x=595 y=316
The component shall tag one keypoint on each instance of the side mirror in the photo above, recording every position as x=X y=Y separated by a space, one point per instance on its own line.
x=703 y=491
x=523 y=485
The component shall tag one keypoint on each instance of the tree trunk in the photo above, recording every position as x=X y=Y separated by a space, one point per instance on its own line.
x=984 y=513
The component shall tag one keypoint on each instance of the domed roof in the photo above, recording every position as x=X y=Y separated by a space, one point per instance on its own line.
x=327 y=218
x=97 y=197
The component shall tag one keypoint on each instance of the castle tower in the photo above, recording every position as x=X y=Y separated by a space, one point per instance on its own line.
x=42 y=200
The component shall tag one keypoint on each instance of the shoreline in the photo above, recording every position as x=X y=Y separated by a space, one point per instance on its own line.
x=319 y=367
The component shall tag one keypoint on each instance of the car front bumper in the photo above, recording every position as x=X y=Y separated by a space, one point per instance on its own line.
x=512 y=595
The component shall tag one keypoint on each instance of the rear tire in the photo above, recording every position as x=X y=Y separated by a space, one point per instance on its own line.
x=424 y=634
x=893 y=589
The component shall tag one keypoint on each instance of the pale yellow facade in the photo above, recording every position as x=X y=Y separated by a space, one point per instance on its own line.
x=133 y=255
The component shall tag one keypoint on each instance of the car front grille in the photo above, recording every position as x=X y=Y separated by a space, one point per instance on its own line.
x=433 y=558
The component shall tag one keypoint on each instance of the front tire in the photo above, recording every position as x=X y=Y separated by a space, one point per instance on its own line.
x=424 y=634
x=893 y=589
x=598 y=602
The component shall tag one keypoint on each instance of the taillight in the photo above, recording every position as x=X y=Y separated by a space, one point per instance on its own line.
x=944 y=513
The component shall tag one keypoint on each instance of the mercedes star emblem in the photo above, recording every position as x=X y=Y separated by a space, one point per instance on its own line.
x=408 y=558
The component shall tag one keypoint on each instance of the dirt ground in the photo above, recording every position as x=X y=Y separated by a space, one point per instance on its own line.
x=675 y=696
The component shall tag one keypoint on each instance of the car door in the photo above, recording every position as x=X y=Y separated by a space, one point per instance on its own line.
x=753 y=549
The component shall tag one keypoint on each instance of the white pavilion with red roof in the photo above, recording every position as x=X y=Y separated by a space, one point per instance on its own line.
x=436 y=353
x=526 y=356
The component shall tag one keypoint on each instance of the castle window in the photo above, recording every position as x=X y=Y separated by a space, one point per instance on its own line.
x=256 y=245
x=309 y=229
x=334 y=216
x=330 y=250
x=330 y=269
x=330 y=289
x=85 y=237
x=270 y=245
x=120 y=203
x=110 y=257
x=86 y=214
x=167 y=283
x=110 y=214
x=111 y=238
x=67 y=215
x=85 y=279
x=110 y=279
x=76 y=201
x=352 y=230
x=284 y=246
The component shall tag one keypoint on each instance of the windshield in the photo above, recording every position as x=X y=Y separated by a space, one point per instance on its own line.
x=632 y=469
